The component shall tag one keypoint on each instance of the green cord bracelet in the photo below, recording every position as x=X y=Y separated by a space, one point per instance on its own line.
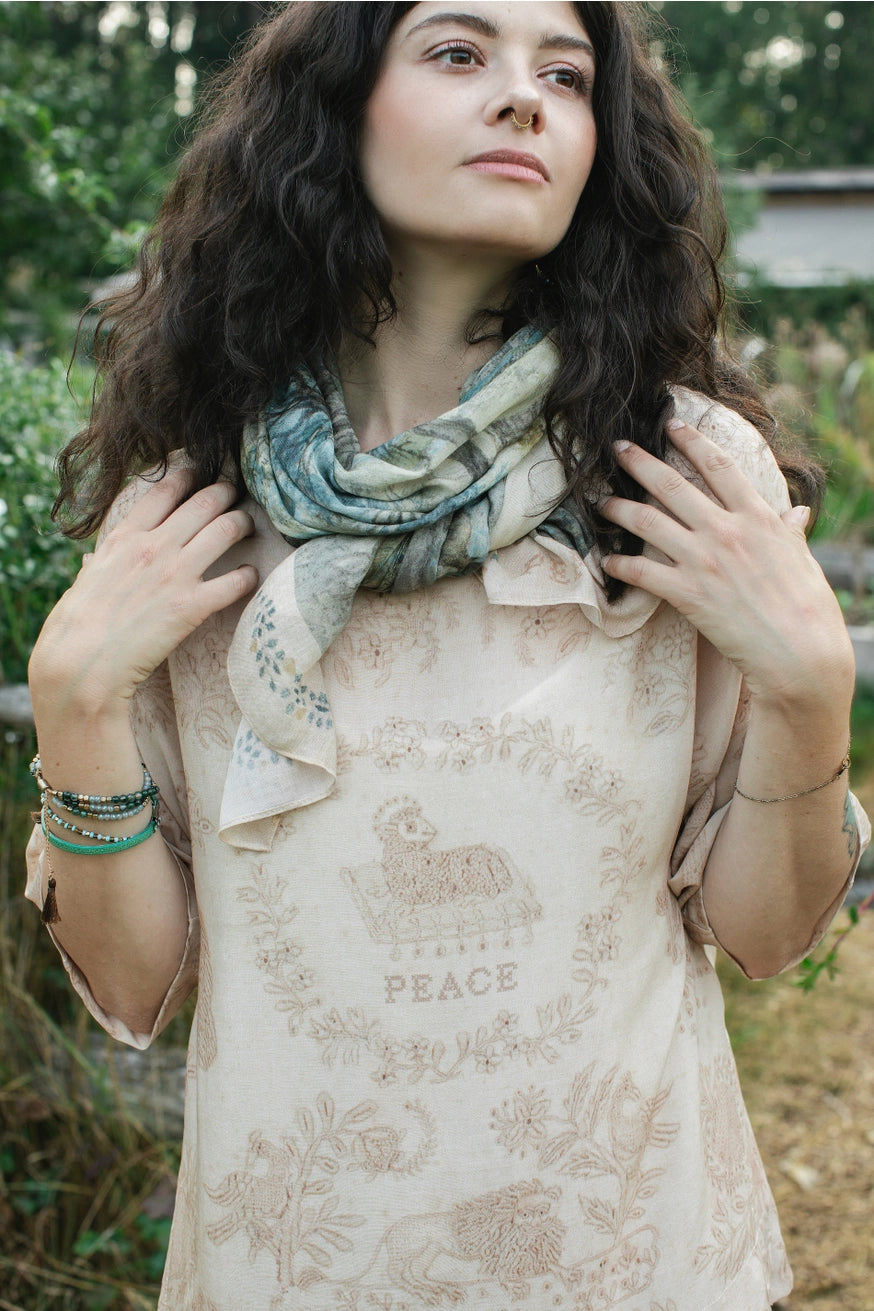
x=80 y=849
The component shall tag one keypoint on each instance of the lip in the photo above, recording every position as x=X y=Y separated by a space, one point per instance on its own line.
x=514 y=160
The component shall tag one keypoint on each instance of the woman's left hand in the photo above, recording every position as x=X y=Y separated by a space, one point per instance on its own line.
x=738 y=570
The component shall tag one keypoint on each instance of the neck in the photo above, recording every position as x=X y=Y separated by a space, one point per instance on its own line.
x=421 y=358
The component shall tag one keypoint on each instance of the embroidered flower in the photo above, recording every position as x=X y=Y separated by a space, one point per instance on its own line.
x=397 y=743
x=539 y=624
x=371 y=651
x=521 y=1125
x=275 y=956
x=488 y=1060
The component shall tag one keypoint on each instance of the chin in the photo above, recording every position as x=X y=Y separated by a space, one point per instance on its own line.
x=516 y=251
x=506 y=236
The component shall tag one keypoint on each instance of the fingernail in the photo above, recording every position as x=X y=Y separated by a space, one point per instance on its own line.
x=621 y=446
x=673 y=425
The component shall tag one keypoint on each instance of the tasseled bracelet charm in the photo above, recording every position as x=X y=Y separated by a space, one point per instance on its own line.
x=49 y=913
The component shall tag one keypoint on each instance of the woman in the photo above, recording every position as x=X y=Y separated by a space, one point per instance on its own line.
x=453 y=794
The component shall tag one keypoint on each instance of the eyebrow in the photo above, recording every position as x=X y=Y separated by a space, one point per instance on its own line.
x=485 y=27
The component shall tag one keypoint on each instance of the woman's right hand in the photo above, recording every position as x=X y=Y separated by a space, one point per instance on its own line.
x=140 y=594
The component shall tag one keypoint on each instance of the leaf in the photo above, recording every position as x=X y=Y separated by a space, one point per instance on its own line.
x=558 y=1147
x=307 y=1123
x=317 y=1186
x=545 y=1017
x=309 y=1276
x=579 y=1090
x=317 y=1254
x=325 y=1107
x=335 y=1238
x=599 y=1214
x=363 y=1111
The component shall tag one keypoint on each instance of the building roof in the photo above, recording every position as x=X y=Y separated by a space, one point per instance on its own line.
x=803 y=180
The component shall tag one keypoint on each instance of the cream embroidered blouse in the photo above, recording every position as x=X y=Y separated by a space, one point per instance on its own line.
x=457 y=1038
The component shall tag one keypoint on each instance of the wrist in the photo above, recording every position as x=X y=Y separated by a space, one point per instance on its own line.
x=815 y=700
x=60 y=693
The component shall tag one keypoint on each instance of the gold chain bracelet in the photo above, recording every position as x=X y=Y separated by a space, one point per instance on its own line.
x=770 y=801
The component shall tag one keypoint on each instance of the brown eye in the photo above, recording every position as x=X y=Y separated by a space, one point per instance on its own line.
x=459 y=55
x=569 y=79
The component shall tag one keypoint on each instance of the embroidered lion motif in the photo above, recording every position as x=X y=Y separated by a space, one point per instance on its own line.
x=511 y=1234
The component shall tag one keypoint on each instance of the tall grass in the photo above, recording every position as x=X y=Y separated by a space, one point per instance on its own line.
x=821 y=387
x=86 y=1186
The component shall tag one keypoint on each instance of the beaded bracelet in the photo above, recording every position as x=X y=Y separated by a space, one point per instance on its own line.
x=109 y=838
x=107 y=813
x=119 y=806
x=106 y=809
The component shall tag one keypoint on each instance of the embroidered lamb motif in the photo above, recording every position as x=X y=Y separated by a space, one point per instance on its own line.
x=420 y=876
x=419 y=894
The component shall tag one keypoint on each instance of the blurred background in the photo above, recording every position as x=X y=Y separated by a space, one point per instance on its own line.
x=96 y=102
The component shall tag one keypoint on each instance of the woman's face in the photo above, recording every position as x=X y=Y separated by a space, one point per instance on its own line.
x=441 y=158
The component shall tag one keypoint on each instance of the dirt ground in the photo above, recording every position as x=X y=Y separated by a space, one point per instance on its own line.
x=806 y=1063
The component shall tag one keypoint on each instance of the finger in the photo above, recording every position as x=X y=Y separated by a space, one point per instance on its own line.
x=215 y=538
x=661 y=580
x=649 y=523
x=666 y=485
x=197 y=511
x=159 y=501
x=798 y=517
x=728 y=483
x=218 y=593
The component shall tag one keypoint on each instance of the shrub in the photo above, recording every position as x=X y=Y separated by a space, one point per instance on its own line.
x=38 y=413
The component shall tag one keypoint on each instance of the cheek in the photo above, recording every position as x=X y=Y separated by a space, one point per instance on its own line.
x=398 y=132
x=586 y=149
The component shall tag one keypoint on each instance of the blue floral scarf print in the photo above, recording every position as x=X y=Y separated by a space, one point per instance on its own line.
x=432 y=502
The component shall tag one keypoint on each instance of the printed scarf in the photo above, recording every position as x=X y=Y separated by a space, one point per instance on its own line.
x=433 y=502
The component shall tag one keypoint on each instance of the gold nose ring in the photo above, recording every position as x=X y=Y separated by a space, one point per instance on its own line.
x=517 y=124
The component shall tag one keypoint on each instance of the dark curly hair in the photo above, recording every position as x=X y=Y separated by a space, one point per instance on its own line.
x=267 y=247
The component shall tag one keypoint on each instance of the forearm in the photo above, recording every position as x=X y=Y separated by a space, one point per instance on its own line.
x=123 y=916
x=776 y=869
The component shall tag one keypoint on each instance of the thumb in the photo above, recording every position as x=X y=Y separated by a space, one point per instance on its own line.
x=798 y=517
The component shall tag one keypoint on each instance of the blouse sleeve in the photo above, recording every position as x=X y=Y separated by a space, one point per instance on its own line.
x=710 y=792
x=153 y=721
x=722 y=704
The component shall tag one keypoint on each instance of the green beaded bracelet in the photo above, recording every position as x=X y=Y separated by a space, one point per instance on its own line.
x=80 y=849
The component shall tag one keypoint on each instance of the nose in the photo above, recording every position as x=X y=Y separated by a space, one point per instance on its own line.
x=518 y=103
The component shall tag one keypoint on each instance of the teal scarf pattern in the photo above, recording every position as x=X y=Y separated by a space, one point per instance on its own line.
x=433 y=502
